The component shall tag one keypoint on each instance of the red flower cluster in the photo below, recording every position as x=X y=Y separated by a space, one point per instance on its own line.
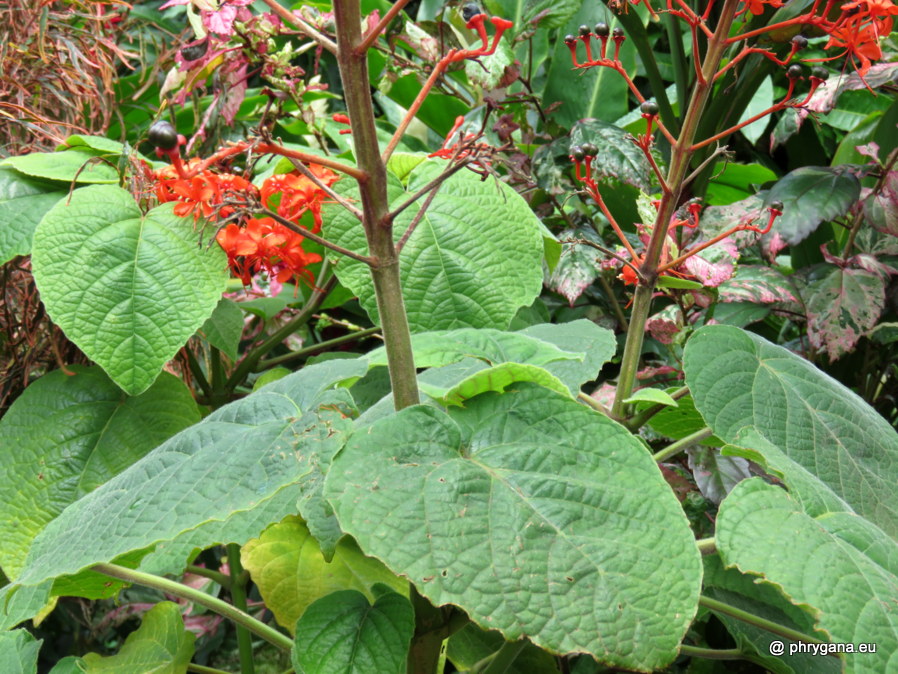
x=858 y=30
x=199 y=194
x=265 y=244
x=298 y=193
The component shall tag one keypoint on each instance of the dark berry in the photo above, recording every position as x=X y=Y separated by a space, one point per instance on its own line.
x=589 y=149
x=602 y=29
x=617 y=32
x=163 y=135
x=577 y=153
x=649 y=108
x=192 y=52
x=776 y=206
x=794 y=71
x=569 y=39
x=820 y=73
x=470 y=10
x=584 y=31
x=799 y=42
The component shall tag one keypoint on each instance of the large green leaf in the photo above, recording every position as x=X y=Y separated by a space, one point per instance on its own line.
x=287 y=565
x=598 y=343
x=471 y=262
x=534 y=514
x=23 y=202
x=210 y=478
x=764 y=600
x=224 y=327
x=471 y=644
x=811 y=195
x=839 y=564
x=343 y=633
x=79 y=164
x=18 y=652
x=160 y=645
x=129 y=289
x=592 y=92
x=739 y=380
x=69 y=433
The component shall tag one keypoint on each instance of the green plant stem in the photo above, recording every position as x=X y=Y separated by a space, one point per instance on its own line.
x=678 y=55
x=757 y=621
x=249 y=361
x=215 y=604
x=707 y=546
x=375 y=205
x=315 y=348
x=682 y=443
x=197 y=372
x=238 y=595
x=637 y=420
x=711 y=653
x=216 y=576
x=201 y=669
x=681 y=157
x=218 y=396
x=501 y=660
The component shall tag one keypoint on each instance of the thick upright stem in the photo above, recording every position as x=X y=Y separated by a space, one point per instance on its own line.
x=238 y=594
x=375 y=205
x=681 y=157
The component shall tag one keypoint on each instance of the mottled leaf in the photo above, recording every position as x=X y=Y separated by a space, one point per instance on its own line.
x=577 y=268
x=881 y=208
x=618 y=156
x=811 y=195
x=534 y=514
x=715 y=264
x=758 y=284
x=842 y=306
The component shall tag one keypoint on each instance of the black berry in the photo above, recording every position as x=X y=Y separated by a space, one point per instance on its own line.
x=799 y=42
x=577 y=153
x=820 y=73
x=776 y=206
x=649 y=108
x=602 y=29
x=192 y=52
x=163 y=135
x=584 y=31
x=589 y=149
x=794 y=71
x=569 y=39
x=470 y=10
x=617 y=32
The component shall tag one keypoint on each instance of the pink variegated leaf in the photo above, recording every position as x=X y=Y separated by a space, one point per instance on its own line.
x=577 y=267
x=714 y=265
x=666 y=324
x=842 y=306
x=758 y=284
x=881 y=208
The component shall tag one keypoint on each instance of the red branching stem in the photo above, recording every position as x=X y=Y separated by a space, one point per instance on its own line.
x=754 y=50
x=696 y=61
x=175 y=157
x=295 y=20
x=808 y=17
x=776 y=107
x=593 y=190
x=381 y=26
x=273 y=148
x=708 y=7
x=452 y=56
x=774 y=214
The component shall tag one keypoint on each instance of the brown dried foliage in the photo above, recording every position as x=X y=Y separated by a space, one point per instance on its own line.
x=57 y=68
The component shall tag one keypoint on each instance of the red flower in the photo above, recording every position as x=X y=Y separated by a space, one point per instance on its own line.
x=298 y=193
x=265 y=244
x=200 y=194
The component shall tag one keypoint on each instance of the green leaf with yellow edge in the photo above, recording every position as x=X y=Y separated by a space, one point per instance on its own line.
x=342 y=633
x=287 y=564
x=19 y=603
x=496 y=378
x=160 y=645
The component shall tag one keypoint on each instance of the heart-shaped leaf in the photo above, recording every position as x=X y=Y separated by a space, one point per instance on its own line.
x=129 y=289
x=23 y=202
x=536 y=515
